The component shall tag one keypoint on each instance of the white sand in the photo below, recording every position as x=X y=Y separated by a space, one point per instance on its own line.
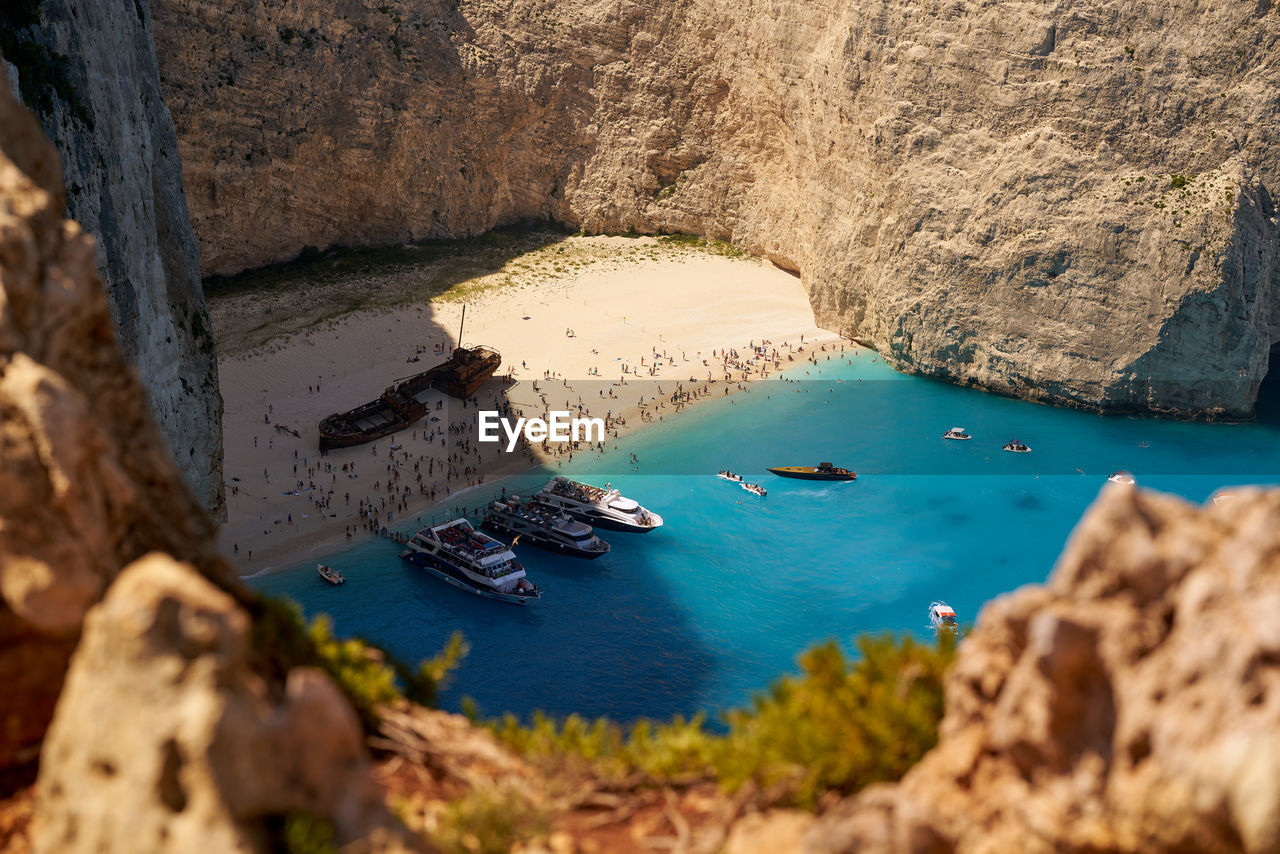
x=685 y=303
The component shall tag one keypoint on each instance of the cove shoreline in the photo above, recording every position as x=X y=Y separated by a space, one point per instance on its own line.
x=559 y=335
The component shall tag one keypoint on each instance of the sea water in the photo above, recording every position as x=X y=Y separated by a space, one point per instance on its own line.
x=714 y=605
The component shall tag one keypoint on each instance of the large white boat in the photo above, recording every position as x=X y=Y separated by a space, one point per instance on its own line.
x=600 y=508
x=547 y=528
x=956 y=433
x=458 y=554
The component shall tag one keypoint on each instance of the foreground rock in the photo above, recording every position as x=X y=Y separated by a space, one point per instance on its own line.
x=167 y=740
x=86 y=484
x=1059 y=200
x=97 y=94
x=1132 y=704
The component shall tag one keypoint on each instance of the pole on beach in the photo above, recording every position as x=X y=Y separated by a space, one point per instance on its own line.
x=462 y=324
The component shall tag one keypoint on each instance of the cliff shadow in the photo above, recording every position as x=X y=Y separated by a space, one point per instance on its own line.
x=1267 y=408
x=608 y=637
x=255 y=307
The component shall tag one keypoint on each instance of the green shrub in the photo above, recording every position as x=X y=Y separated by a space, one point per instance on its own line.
x=305 y=834
x=834 y=727
x=367 y=674
x=488 y=821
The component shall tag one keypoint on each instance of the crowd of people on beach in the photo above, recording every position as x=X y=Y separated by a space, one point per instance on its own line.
x=371 y=488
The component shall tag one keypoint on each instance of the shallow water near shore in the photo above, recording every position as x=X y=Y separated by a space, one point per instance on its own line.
x=717 y=603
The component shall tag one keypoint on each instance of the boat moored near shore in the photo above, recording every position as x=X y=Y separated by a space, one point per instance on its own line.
x=599 y=507
x=330 y=574
x=458 y=554
x=543 y=526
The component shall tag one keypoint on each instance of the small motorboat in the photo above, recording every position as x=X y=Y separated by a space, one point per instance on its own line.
x=822 y=471
x=1122 y=477
x=1016 y=447
x=330 y=574
x=956 y=433
x=755 y=489
x=728 y=475
x=942 y=615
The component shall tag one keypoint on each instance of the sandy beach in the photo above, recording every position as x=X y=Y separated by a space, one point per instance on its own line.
x=603 y=325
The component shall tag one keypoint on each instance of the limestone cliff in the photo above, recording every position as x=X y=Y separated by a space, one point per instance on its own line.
x=86 y=485
x=89 y=71
x=1131 y=704
x=1059 y=200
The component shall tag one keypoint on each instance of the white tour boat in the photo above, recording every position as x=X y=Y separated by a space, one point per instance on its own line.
x=956 y=433
x=545 y=527
x=600 y=508
x=1016 y=447
x=458 y=554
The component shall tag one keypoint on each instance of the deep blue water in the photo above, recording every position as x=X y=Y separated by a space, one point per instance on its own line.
x=717 y=603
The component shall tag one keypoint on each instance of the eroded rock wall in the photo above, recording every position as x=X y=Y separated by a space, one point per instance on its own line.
x=1063 y=201
x=102 y=106
x=178 y=724
x=86 y=485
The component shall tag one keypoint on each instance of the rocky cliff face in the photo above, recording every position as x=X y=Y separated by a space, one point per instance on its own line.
x=85 y=483
x=1054 y=200
x=95 y=85
x=171 y=732
x=1132 y=704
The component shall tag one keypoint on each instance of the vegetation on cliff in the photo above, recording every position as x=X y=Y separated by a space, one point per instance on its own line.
x=366 y=673
x=836 y=727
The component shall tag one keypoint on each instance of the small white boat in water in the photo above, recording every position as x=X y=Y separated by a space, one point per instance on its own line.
x=1122 y=477
x=956 y=433
x=330 y=574
x=755 y=489
x=942 y=615
x=1016 y=447
x=730 y=476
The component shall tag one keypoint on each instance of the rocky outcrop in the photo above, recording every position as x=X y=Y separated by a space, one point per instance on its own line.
x=1054 y=200
x=180 y=725
x=93 y=80
x=166 y=739
x=86 y=484
x=1132 y=704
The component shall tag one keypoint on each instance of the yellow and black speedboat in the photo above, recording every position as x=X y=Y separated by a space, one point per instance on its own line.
x=822 y=471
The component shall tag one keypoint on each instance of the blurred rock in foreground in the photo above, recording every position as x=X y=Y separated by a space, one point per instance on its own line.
x=1132 y=704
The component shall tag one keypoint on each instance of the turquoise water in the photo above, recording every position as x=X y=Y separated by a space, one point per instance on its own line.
x=717 y=603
